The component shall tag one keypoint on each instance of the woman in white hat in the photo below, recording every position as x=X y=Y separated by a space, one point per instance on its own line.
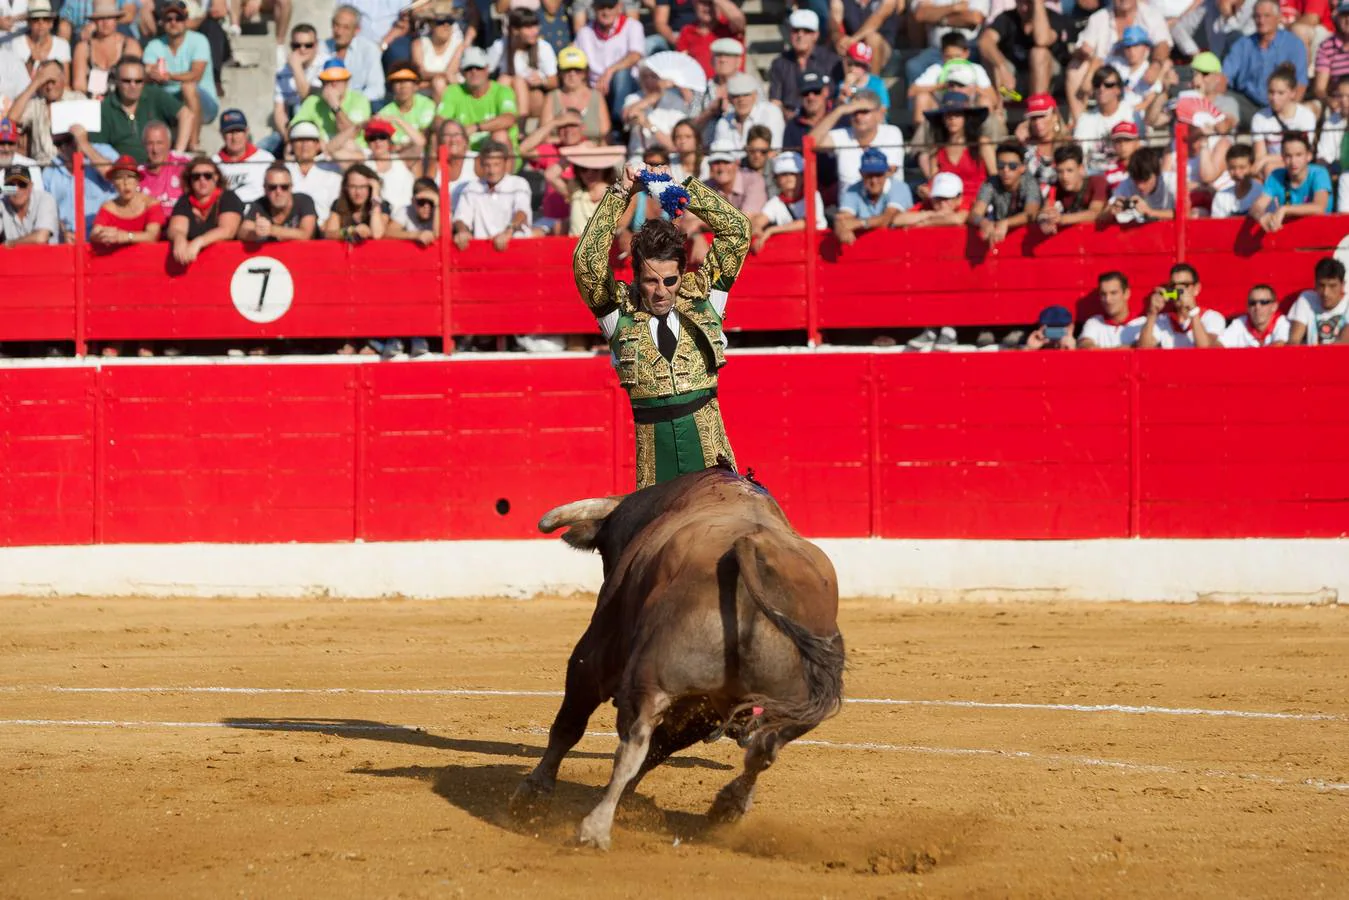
x=94 y=59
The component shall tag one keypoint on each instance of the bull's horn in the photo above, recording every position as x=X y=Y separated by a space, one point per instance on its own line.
x=578 y=511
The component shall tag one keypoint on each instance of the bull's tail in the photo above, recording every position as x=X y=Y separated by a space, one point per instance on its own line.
x=822 y=658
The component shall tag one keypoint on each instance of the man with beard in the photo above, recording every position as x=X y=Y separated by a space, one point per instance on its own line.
x=664 y=329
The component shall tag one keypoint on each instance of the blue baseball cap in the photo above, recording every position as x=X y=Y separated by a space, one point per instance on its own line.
x=1056 y=317
x=233 y=120
x=874 y=162
x=1135 y=36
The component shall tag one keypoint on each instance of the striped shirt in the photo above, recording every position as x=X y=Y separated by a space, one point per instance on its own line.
x=1333 y=57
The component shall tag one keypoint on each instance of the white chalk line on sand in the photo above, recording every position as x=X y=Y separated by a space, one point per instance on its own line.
x=1319 y=784
x=864 y=701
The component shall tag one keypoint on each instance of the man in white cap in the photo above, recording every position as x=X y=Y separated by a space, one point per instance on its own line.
x=945 y=196
x=804 y=53
x=786 y=212
x=307 y=177
x=748 y=109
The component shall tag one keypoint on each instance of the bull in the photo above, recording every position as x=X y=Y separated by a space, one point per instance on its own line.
x=715 y=617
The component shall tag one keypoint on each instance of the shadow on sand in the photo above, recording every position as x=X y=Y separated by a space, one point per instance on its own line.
x=484 y=791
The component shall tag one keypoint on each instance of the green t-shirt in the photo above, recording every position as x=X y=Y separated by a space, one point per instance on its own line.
x=313 y=109
x=422 y=114
x=458 y=104
x=124 y=133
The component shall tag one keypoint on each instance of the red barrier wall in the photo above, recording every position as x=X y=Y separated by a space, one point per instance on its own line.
x=1049 y=445
x=894 y=279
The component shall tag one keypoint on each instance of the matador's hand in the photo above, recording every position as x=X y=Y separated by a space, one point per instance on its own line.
x=628 y=178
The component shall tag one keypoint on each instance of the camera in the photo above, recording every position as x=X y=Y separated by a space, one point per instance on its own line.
x=1170 y=293
x=1055 y=332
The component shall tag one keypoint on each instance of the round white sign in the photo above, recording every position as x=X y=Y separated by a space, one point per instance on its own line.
x=262 y=289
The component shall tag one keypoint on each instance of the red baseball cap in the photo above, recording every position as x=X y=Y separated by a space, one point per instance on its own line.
x=8 y=133
x=1124 y=129
x=860 y=52
x=379 y=128
x=1040 y=105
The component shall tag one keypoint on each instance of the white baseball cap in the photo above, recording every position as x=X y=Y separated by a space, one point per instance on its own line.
x=305 y=130
x=789 y=163
x=947 y=186
x=727 y=46
x=742 y=83
x=805 y=19
x=473 y=58
x=723 y=151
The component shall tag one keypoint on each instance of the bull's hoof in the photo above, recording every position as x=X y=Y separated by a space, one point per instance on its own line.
x=530 y=801
x=593 y=834
x=730 y=806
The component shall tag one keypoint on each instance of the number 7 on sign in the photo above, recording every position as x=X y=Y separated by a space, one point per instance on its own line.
x=266 y=273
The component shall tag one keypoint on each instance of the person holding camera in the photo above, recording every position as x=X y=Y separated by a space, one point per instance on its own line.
x=1054 y=330
x=1147 y=195
x=1174 y=317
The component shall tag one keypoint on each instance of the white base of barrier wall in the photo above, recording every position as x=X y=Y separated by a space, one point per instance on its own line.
x=1257 y=570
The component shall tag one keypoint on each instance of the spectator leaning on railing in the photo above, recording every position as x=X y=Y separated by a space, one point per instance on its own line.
x=1147 y=195
x=420 y=219
x=1174 y=318
x=359 y=214
x=207 y=214
x=27 y=216
x=786 y=212
x=1113 y=327
x=132 y=217
x=1261 y=326
x=1009 y=199
x=1238 y=198
x=1300 y=188
x=1075 y=197
x=495 y=206
x=242 y=163
x=872 y=203
x=280 y=214
x=132 y=105
x=1319 y=316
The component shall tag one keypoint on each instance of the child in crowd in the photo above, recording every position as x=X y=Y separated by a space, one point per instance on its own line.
x=1237 y=199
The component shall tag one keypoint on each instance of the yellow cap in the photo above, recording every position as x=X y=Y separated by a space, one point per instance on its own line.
x=572 y=58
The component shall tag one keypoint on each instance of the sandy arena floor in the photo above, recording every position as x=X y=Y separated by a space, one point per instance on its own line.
x=157 y=777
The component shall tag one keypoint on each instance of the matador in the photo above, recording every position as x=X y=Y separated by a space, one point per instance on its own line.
x=665 y=329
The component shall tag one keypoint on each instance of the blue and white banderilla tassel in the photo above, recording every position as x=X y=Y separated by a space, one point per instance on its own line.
x=672 y=196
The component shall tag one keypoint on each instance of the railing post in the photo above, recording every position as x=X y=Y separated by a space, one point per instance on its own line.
x=81 y=298
x=446 y=325
x=1182 y=188
x=812 y=242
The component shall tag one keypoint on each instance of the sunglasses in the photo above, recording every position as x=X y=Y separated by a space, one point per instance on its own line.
x=1260 y=302
x=174 y=17
x=1108 y=84
x=131 y=81
x=202 y=176
x=296 y=45
x=379 y=136
x=424 y=201
x=443 y=21
x=1008 y=166
x=278 y=187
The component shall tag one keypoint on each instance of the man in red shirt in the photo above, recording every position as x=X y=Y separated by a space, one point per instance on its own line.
x=713 y=19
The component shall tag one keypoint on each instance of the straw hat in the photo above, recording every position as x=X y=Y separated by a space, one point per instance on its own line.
x=589 y=155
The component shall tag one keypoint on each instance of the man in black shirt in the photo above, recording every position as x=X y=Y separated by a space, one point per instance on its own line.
x=806 y=54
x=280 y=214
x=1029 y=41
x=815 y=90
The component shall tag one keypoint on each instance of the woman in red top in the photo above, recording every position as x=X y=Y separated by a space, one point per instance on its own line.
x=133 y=216
x=955 y=131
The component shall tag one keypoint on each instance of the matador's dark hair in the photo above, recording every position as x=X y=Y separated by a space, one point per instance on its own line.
x=658 y=239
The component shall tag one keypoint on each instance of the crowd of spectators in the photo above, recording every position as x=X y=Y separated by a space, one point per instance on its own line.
x=1025 y=114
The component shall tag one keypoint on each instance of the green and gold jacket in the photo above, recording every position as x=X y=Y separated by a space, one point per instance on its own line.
x=642 y=371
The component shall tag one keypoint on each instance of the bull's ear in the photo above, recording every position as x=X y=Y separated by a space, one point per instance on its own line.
x=583 y=535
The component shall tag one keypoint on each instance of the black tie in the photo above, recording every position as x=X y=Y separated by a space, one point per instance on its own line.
x=665 y=338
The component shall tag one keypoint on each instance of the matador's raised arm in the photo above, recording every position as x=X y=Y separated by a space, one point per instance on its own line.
x=590 y=264
x=730 y=234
